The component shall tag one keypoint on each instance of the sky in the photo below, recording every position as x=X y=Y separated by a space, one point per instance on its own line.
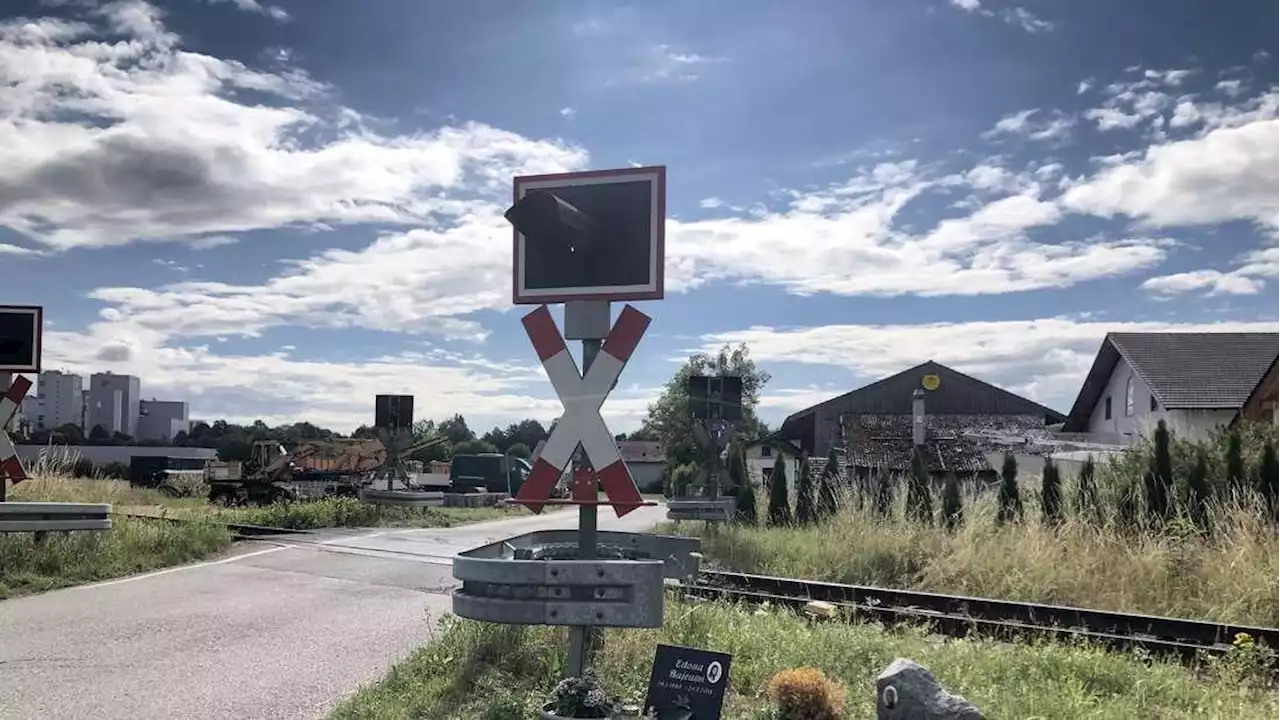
x=276 y=209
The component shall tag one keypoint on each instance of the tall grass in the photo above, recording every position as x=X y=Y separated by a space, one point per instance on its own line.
x=481 y=671
x=1100 y=557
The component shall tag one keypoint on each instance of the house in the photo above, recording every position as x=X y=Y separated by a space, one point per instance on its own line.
x=762 y=456
x=1262 y=402
x=963 y=420
x=1193 y=381
x=643 y=458
x=646 y=462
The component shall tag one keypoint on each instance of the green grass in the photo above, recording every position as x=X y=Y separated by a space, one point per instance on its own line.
x=494 y=672
x=350 y=512
x=1228 y=576
x=129 y=547
x=134 y=545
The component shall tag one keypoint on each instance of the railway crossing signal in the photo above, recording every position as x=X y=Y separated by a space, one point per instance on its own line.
x=582 y=396
x=10 y=464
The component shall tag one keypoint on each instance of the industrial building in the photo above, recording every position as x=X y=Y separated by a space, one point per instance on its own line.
x=162 y=419
x=113 y=403
x=59 y=402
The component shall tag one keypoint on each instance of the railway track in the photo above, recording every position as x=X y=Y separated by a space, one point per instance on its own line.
x=953 y=615
x=958 y=615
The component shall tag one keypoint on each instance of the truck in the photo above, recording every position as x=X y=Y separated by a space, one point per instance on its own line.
x=488 y=472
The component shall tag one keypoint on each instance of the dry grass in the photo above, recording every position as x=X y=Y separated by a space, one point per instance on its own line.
x=1229 y=575
x=477 y=671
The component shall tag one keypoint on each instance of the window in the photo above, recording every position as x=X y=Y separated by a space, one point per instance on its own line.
x=1106 y=409
x=1154 y=405
x=766 y=451
x=1128 y=396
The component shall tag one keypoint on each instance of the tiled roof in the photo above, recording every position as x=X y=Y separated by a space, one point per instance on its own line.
x=956 y=443
x=641 y=451
x=1199 y=370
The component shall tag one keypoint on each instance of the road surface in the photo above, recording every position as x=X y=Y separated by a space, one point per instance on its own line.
x=273 y=631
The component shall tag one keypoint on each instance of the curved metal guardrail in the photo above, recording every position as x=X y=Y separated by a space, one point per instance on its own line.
x=42 y=517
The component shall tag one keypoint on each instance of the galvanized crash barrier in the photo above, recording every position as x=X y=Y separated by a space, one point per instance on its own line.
x=403 y=498
x=718 y=510
x=536 y=579
x=43 y=517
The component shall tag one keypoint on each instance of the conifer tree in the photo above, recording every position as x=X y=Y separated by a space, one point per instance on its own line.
x=1050 y=494
x=1010 y=504
x=779 y=503
x=919 y=498
x=952 y=505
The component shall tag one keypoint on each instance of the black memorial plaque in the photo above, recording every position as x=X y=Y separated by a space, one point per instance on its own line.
x=687 y=683
x=715 y=398
x=20 y=330
x=393 y=412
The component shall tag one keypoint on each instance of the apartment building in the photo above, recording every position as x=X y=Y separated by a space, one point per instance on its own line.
x=113 y=403
x=162 y=419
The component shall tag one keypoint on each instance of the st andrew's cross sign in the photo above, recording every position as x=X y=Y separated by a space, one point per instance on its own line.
x=10 y=465
x=582 y=397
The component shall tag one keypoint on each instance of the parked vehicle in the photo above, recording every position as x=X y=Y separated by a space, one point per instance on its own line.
x=488 y=472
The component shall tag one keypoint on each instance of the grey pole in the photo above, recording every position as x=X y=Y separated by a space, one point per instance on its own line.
x=580 y=636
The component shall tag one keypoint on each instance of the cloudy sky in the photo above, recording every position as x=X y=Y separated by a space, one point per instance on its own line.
x=277 y=208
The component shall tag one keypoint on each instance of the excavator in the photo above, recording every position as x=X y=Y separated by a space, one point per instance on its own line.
x=312 y=469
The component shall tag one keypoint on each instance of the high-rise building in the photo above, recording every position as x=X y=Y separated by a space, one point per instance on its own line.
x=113 y=403
x=162 y=419
x=59 y=400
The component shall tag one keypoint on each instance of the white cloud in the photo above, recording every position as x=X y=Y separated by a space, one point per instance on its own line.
x=1032 y=125
x=1213 y=281
x=1084 y=86
x=1017 y=16
x=1248 y=278
x=1044 y=359
x=710 y=203
x=105 y=144
x=664 y=64
x=568 y=112
x=275 y=12
x=209 y=242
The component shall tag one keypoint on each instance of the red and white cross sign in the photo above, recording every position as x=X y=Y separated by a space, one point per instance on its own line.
x=10 y=465
x=582 y=397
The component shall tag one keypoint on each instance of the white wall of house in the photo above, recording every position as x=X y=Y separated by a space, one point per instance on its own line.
x=761 y=457
x=1134 y=411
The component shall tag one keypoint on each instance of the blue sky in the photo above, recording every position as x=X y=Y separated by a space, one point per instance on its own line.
x=278 y=209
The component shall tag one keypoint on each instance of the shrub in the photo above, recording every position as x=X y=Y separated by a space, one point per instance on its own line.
x=919 y=500
x=681 y=477
x=745 y=500
x=1198 y=492
x=827 y=504
x=116 y=469
x=1267 y=479
x=83 y=468
x=1010 y=508
x=1235 y=464
x=779 y=504
x=1159 y=478
x=952 y=506
x=1050 y=493
x=1087 y=492
x=806 y=694
x=806 y=507
x=581 y=697
x=884 y=493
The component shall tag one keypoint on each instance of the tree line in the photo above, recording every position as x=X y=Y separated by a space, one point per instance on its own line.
x=235 y=442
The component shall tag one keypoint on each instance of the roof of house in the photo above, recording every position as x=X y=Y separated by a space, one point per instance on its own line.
x=1185 y=371
x=955 y=394
x=1266 y=384
x=640 y=451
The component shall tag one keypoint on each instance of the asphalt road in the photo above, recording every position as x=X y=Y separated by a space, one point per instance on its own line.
x=274 y=631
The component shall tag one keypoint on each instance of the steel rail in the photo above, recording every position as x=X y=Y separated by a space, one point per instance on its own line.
x=960 y=615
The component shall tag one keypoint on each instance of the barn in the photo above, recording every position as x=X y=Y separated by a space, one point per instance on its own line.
x=965 y=421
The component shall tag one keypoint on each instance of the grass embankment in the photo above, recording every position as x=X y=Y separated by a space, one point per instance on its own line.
x=133 y=545
x=493 y=672
x=1212 y=556
x=1229 y=576
x=129 y=547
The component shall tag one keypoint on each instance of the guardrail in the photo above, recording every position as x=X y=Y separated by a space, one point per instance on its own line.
x=43 y=517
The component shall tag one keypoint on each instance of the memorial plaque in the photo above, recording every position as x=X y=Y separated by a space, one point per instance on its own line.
x=687 y=683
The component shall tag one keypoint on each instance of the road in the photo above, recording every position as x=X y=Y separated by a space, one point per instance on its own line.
x=273 y=631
